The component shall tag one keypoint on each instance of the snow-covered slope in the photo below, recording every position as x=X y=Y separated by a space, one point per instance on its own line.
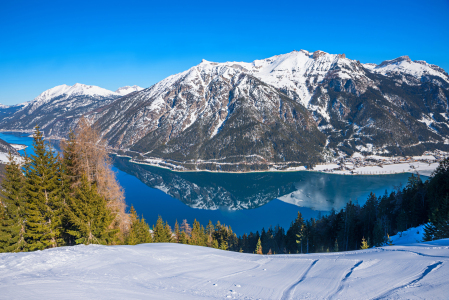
x=405 y=66
x=128 y=89
x=58 y=109
x=175 y=271
x=396 y=107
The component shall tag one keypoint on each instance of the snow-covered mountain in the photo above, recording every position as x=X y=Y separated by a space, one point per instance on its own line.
x=58 y=109
x=294 y=108
x=128 y=89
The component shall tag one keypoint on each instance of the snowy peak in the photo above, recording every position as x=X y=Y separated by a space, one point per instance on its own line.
x=405 y=66
x=125 y=90
x=77 y=89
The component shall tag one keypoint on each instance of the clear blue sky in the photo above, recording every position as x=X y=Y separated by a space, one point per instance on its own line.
x=117 y=43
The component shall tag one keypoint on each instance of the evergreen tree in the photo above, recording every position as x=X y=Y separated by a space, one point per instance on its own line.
x=224 y=245
x=197 y=235
x=12 y=206
x=259 y=247
x=364 y=244
x=177 y=232
x=161 y=232
x=139 y=233
x=90 y=215
x=43 y=192
x=336 y=246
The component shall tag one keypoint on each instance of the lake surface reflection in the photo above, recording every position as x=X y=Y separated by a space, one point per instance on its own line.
x=247 y=201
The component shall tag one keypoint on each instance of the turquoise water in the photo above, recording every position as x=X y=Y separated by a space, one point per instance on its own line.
x=246 y=202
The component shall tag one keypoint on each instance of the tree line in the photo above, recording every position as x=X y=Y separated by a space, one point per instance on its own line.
x=73 y=197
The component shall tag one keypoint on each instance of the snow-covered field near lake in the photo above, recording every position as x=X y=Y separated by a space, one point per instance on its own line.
x=175 y=271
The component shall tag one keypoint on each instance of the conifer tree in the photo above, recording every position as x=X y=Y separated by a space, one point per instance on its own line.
x=70 y=178
x=224 y=245
x=336 y=246
x=90 y=216
x=177 y=232
x=161 y=232
x=364 y=244
x=197 y=235
x=139 y=233
x=43 y=192
x=12 y=206
x=259 y=247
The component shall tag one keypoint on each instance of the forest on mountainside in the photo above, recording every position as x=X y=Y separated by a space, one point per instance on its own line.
x=68 y=198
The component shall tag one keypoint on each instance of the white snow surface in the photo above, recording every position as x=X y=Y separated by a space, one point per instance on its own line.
x=74 y=90
x=175 y=271
x=404 y=65
x=410 y=236
x=125 y=90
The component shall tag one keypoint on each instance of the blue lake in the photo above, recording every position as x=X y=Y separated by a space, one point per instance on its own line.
x=246 y=202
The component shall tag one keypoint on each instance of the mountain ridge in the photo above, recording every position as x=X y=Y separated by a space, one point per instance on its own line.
x=298 y=108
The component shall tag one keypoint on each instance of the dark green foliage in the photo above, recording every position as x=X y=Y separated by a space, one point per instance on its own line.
x=415 y=204
x=139 y=233
x=12 y=209
x=89 y=215
x=43 y=192
x=162 y=232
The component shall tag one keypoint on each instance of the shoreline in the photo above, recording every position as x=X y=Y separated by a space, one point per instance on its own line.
x=344 y=173
x=372 y=170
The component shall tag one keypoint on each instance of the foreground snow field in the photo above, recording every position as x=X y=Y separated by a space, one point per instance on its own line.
x=175 y=271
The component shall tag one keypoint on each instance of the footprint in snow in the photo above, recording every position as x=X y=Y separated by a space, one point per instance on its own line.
x=215 y=284
x=238 y=285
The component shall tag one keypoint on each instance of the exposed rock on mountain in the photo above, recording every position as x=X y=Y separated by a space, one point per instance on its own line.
x=58 y=109
x=294 y=109
x=280 y=110
x=5 y=148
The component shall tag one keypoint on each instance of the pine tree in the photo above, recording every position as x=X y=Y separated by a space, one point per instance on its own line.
x=43 y=192
x=259 y=247
x=429 y=232
x=12 y=205
x=224 y=245
x=90 y=216
x=364 y=244
x=177 y=232
x=161 y=232
x=336 y=246
x=197 y=235
x=378 y=234
x=70 y=178
x=139 y=232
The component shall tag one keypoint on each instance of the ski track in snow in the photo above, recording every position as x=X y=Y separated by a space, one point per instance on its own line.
x=288 y=293
x=174 y=271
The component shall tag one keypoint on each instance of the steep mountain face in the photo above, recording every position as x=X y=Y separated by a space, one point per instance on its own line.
x=289 y=109
x=58 y=109
x=8 y=110
x=5 y=148
x=214 y=112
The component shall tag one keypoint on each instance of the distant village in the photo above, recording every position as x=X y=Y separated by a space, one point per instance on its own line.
x=375 y=164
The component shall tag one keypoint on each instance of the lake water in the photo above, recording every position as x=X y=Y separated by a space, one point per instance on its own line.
x=246 y=202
